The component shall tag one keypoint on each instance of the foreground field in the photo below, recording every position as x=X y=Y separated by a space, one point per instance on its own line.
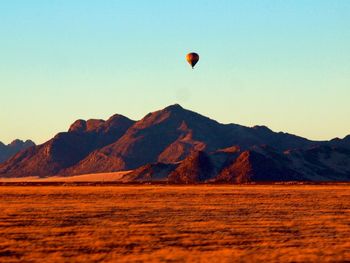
x=175 y=223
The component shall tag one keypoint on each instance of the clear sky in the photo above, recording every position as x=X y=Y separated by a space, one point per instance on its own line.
x=280 y=63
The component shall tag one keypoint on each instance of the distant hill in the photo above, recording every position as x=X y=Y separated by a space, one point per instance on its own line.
x=181 y=146
x=7 y=151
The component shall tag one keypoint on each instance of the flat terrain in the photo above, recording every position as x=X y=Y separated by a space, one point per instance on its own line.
x=175 y=223
x=99 y=177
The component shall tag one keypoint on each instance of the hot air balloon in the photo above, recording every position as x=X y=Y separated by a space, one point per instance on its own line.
x=192 y=58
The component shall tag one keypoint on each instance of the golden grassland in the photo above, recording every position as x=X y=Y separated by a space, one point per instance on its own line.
x=207 y=223
x=98 y=177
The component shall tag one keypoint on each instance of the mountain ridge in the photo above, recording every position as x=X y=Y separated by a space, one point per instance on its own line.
x=7 y=151
x=169 y=137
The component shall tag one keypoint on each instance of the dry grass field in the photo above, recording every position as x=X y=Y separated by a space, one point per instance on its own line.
x=249 y=223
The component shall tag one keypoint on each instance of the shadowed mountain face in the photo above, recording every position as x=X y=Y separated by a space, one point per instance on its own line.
x=7 y=151
x=175 y=144
x=343 y=143
x=258 y=164
x=197 y=167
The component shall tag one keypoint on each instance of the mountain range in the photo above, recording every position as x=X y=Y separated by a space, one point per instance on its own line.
x=180 y=146
x=7 y=151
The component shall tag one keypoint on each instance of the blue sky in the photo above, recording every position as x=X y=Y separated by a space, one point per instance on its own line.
x=284 y=64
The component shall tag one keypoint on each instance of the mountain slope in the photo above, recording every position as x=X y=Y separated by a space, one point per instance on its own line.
x=7 y=151
x=66 y=148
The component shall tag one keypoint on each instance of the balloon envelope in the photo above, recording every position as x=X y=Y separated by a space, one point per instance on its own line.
x=192 y=58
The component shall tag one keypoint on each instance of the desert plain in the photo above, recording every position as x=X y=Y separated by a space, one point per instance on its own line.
x=152 y=223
